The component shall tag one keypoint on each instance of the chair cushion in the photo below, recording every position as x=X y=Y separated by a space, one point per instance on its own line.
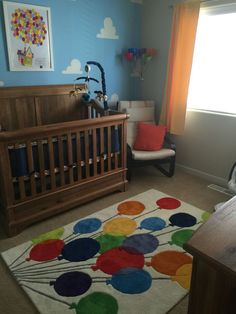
x=151 y=155
x=149 y=137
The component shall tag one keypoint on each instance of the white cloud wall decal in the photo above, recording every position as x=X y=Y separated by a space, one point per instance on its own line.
x=2 y=83
x=73 y=68
x=109 y=31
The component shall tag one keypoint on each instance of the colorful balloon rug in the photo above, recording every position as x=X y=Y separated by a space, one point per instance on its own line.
x=127 y=258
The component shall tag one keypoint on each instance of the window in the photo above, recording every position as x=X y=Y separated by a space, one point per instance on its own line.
x=213 y=78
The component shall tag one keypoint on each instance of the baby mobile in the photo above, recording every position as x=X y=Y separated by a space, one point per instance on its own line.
x=29 y=27
x=100 y=101
x=139 y=57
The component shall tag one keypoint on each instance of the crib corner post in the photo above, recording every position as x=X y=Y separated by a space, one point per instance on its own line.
x=6 y=185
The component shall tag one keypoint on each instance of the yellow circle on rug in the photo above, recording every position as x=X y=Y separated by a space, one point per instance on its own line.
x=120 y=226
x=131 y=208
x=183 y=276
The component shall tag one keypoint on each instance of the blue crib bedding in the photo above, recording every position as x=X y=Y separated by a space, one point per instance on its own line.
x=18 y=156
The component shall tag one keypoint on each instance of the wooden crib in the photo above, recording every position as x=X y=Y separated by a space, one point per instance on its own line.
x=56 y=152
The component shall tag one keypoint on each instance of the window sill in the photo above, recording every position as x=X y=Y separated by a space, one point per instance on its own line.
x=212 y=112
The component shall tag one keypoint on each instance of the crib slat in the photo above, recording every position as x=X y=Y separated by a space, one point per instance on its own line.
x=116 y=153
x=31 y=167
x=51 y=164
x=21 y=187
x=41 y=165
x=78 y=152
x=70 y=157
x=86 y=147
x=61 y=161
x=109 y=148
x=94 y=152
x=102 y=150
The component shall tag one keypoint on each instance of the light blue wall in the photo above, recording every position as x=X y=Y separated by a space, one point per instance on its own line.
x=75 y=24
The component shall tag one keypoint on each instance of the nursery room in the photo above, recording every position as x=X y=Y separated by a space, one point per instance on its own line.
x=117 y=159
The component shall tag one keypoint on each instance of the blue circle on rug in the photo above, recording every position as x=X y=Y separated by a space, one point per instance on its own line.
x=87 y=225
x=72 y=284
x=131 y=280
x=153 y=223
x=141 y=243
x=80 y=250
x=182 y=220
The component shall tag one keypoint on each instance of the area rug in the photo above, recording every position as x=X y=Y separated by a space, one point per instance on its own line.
x=127 y=258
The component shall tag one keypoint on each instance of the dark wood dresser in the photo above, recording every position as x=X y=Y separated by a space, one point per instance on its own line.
x=213 y=246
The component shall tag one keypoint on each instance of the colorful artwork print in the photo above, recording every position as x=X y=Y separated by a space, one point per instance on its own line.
x=114 y=261
x=28 y=36
x=29 y=27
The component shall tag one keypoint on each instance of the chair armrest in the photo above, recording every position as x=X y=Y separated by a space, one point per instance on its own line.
x=171 y=144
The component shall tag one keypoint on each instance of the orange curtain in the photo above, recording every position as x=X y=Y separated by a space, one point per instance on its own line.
x=184 y=26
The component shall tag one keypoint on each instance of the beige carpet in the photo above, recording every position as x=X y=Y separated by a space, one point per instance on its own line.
x=190 y=189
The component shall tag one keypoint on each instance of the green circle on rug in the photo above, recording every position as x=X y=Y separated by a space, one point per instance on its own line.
x=108 y=242
x=98 y=303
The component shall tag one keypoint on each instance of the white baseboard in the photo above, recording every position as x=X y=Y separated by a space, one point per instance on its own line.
x=204 y=175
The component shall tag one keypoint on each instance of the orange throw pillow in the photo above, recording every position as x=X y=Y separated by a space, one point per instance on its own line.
x=149 y=137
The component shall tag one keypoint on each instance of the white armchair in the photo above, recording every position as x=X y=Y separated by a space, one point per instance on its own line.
x=163 y=159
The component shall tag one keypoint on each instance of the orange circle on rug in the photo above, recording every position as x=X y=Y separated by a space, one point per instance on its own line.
x=183 y=276
x=120 y=226
x=168 y=262
x=131 y=208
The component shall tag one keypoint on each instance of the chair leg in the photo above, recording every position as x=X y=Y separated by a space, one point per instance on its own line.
x=170 y=172
x=128 y=174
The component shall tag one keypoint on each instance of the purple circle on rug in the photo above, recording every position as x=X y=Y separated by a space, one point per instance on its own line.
x=142 y=243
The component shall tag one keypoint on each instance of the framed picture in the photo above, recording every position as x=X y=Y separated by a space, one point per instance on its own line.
x=29 y=38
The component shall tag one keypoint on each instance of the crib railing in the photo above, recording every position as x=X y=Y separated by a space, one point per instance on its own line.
x=43 y=160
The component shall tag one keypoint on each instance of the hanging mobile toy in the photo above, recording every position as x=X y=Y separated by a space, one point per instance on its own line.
x=86 y=96
x=101 y=95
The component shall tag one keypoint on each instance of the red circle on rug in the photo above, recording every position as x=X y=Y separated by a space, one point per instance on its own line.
x=115 y=259
x=168 y=203
x=46 y=250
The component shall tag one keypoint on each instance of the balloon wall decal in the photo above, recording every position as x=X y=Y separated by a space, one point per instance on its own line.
x=96 y=303
x=72 y=284
x=51 y=235
x=120 y=226
x=142 y=243
x=182 y=220
x=46 y=250
x=88 y=225
x=80 y=250
x=130 y=208
x=168 y=262
x=180 y=237
x=115 y=259
x=183 y=276
x=168 y=203
x=153 y=223
x=108 y=242
x=131 y=280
